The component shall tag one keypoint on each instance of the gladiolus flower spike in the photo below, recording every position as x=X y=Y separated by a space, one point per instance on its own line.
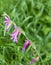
x=14 y=35
x=25 y=45
x=7 y=22
x=34 y=60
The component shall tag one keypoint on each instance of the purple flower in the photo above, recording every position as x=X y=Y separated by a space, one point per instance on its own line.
x=7 y=22
x=34 y=60
x=14 y=35
x=25 y=45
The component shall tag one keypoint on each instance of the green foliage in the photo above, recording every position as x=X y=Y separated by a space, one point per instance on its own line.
x=34 y=18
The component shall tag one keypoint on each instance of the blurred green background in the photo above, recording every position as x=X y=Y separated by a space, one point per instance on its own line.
x=34 y=17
